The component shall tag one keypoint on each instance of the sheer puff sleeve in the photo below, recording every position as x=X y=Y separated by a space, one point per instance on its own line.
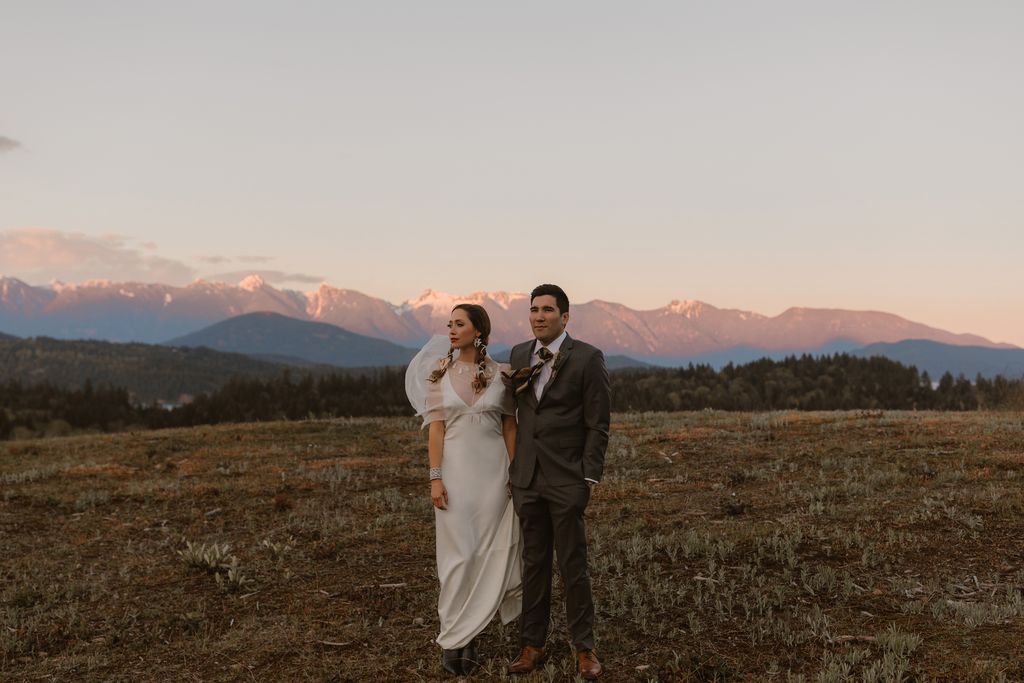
x=426 y=397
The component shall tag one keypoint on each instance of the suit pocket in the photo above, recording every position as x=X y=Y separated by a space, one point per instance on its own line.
x=571 y=442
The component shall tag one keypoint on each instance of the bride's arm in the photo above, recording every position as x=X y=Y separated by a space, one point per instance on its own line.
x=509 y=427
x=508 y=431
x=435 y=449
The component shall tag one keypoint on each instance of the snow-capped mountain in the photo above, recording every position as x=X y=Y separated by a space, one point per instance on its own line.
x=20 y=300
x=429 y=313
x=132 y=311
x=679 y=330
x=362 y=314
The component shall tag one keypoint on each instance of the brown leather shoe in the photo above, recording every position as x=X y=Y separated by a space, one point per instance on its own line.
x=589 y=666
x=528 y=660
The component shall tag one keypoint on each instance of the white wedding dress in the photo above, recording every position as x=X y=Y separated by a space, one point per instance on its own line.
x=479 y=544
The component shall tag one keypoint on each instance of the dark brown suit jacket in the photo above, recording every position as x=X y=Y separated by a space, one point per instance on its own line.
x=566 y=431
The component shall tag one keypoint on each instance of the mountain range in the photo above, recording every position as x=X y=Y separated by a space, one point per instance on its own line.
x=682 y=331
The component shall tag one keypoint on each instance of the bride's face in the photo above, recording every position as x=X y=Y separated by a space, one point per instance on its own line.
x=461 y=332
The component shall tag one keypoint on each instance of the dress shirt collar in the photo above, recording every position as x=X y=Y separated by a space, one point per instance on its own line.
x=554 y=346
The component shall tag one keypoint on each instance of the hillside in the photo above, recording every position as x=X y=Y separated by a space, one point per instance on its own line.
x=723 y=547
x=936 y=359
x=273 y=334
x=149 y=372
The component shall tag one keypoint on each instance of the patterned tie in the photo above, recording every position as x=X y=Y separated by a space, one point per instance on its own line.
x=545 y=355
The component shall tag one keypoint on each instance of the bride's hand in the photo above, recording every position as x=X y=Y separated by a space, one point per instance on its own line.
x=439 y=494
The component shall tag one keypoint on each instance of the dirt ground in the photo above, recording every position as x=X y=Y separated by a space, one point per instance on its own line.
x=856 y=546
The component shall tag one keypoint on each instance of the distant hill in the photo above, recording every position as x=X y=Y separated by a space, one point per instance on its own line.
x=274 y=335
x=617 y=362
x=148 y=372
x=741 y=355
x=936 y=358
x=7 y=337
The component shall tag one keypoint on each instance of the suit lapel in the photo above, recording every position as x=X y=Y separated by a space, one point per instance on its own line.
x=565 y=350
x=531 y=398
x=523 y=353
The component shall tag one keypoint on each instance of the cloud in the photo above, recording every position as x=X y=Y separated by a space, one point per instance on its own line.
x=40 y=255
x=8 y=145
x=272 y=277
x=219 y=258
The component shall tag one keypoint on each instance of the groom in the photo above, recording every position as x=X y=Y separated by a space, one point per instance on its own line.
x=563 y=401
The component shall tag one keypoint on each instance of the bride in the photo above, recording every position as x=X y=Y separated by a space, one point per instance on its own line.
x=456 y=387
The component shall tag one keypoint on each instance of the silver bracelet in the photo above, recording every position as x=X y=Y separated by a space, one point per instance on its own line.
x=435 y=473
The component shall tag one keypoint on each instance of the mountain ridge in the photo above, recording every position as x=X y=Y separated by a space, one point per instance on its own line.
x=683 y=328
x=266 y=334
x=937 y=359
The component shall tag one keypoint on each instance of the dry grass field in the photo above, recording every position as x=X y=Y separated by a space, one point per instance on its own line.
x=724 y=547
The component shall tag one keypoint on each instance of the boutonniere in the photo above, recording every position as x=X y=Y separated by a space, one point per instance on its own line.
x=556 y=364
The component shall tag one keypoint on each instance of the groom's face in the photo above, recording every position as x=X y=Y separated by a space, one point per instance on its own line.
x=546 y=320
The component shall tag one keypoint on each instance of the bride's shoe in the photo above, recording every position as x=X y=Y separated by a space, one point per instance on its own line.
x=470 y=658
x=451 y=661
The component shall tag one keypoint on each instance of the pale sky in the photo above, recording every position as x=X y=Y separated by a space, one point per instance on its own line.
x=754 y=155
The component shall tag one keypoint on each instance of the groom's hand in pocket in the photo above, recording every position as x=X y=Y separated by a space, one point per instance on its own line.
x=439 y=494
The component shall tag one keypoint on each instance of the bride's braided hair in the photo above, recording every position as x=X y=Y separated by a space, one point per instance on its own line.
x=480 y=381
x=445 y=364
x=482 y=322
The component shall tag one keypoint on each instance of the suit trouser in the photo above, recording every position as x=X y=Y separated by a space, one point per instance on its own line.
x=551 y=518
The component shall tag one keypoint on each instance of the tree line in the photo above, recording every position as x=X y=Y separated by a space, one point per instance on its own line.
x=837 y=382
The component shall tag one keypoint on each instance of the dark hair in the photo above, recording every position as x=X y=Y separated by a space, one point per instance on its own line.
x=478 y=316
x=552 y=290
x=482 y=322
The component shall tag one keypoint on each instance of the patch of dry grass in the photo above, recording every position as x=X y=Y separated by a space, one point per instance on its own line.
x=860 y=546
